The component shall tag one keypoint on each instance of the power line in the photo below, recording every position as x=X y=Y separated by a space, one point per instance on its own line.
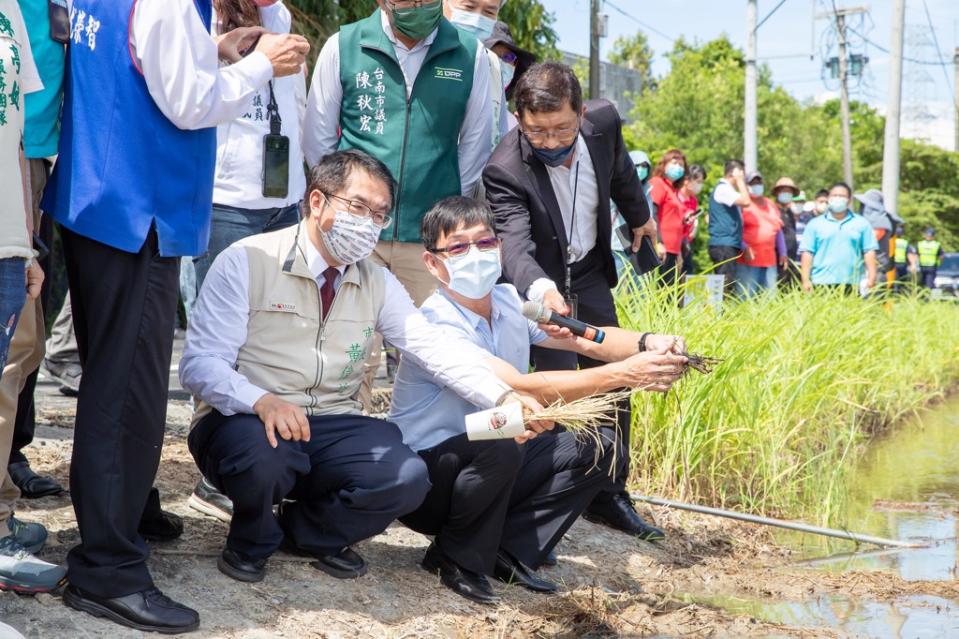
x=931 y=63
x=640 y=22
x=770 y=14
x=935 y=41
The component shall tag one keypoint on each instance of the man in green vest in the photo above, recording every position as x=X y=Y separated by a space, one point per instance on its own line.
x=412 y=90
x=930 y=257
x=904 y=255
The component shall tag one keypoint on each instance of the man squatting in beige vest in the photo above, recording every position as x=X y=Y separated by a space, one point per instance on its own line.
x=274 y=356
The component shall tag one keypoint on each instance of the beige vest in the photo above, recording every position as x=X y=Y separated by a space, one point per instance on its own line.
x=289 y=351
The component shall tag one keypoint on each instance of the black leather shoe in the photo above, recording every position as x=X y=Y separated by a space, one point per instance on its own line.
x=550 y=561
x=32 y=485
x=233 y=564
x=346 y=564
x=463 y=582
x=210 y=501
x=512 y=571
x=157 y=524
x=619 y=513
x=150 y=610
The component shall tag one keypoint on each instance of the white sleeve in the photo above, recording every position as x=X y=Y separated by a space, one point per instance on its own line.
x=180 y=64
x=217 y=331
x=453 y=361
x=725 y=194
x=476 y=134
x=322 y=123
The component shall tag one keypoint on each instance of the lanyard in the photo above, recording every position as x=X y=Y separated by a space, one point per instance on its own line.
x=570 y=254
x=273 y=112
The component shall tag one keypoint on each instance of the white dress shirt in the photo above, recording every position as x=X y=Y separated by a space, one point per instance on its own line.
x=180 y=64
x=321 y=130
x=218 y=329
x=581 y=236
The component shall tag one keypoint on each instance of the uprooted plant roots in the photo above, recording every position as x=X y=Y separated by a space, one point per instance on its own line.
x=701 y=363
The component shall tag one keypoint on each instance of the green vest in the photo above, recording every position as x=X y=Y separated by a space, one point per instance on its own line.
x=928 y=253
x=902 y=249
x=416 y=137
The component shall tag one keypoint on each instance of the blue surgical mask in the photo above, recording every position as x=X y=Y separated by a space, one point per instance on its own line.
x=475 y=23
x=506 y=72
x=756 y=189
x=674 y=172
x=642 y=172
x=474 y=274
x=838 y=204
x=554 y=157
x=784 y=198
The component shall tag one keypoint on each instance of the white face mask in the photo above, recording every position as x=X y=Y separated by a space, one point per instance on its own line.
x=351 y=238
x=809 y=207
x=475 y=23
x=838 y=204
x=756 y=189
x=696 y=188
x=474 y=274
x=506 y=72
x=784 y=198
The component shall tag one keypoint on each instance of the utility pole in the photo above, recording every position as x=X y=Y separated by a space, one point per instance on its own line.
x=955 y=61
x=749 y=125
x=594 y=29
x=890 y=147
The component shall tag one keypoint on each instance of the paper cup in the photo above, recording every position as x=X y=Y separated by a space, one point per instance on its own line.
x=501 y=422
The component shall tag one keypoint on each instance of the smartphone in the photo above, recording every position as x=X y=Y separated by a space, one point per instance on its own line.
x=59 y=21
x=645 y=259
x=276 y=165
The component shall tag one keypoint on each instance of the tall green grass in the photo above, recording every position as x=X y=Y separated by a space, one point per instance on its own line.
x=807 y=380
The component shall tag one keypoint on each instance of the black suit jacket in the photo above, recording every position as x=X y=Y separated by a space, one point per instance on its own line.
x=527 y=215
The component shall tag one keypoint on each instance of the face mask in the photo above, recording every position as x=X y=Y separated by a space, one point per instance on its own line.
x=696 y=188
x=784 y=198
x=418 y=22
x=756 y=189
x=674 y=172
x=808 y=207
x=265 y=3
x=474 y=274
x=821 y=207
x=475 y=23
x=351 y=238
x=642 y=172
x=838 y=204
x=554 y=157
x=506 y=73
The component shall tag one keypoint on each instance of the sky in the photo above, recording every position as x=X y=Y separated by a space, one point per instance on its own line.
x=794 y=44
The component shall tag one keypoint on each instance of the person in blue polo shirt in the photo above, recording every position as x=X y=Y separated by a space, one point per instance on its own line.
x=836 y=245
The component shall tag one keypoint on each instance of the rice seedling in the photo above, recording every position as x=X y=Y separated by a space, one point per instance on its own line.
x=805 y=382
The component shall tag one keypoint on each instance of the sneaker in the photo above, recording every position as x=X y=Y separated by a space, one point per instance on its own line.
x=31 y=536
x=209 y=501
x=67 y=373
x=21 y=572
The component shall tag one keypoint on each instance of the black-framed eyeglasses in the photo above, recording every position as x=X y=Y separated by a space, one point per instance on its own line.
x=462 y=248
x=403 y=5
x=357 y=208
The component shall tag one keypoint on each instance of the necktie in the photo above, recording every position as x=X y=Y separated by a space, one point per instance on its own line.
x=327 y=291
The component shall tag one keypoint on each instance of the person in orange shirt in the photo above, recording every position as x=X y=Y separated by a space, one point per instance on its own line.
x=762 y=233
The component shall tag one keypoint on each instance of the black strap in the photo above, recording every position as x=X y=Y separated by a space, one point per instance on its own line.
x=273 y=111
x=570 y=232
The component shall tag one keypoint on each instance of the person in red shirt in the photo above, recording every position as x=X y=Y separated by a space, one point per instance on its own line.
x=669 y=211
x=762 y=233
x=688 y=194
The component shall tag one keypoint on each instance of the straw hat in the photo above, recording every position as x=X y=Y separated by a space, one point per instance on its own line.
x=785 y=183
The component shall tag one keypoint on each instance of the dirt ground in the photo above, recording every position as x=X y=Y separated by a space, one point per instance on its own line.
x=613 y=586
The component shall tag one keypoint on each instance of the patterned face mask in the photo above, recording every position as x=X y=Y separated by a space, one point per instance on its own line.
x=351 y=238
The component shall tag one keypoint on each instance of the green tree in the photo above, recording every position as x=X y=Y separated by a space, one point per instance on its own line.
x=532 y=27
x=634 y=52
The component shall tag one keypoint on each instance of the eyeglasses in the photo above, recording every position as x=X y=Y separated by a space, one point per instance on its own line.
x=403 y=5
x=560 y=135
x=462 y=248
x=359 y=209
x=509 y=57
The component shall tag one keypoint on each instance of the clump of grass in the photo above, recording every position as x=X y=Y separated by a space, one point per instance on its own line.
x=807 y=379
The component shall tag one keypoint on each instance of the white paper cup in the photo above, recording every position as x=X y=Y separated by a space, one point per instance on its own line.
x=501 y=422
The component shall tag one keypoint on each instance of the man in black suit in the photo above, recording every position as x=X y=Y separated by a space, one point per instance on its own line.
x=549 y=183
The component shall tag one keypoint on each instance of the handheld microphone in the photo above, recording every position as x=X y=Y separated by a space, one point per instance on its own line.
x=539 y=314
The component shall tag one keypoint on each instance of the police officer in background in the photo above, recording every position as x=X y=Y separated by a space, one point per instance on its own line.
x=132 y=192
x=930 y=257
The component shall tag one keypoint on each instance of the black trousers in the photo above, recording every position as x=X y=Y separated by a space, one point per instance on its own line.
x=348 y=483
x=724 y=263
x=596 y=307
x=123 y=311
x=488 y=495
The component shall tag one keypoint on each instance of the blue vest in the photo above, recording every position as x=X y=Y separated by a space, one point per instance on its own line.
x=123 y=166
